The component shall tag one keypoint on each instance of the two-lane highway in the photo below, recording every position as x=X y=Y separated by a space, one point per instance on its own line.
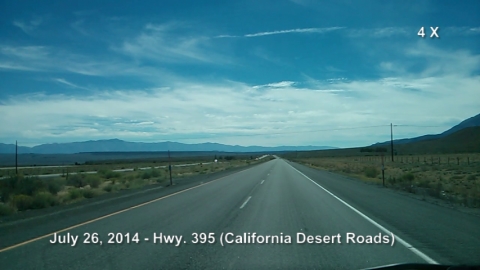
x=272 y=203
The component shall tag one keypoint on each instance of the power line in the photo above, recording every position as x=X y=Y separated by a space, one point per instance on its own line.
x=415 y=126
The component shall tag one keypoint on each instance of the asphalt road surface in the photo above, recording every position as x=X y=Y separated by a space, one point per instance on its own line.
x=278 y=201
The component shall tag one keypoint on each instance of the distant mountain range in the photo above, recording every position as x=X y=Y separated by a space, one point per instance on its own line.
x=116 y=145
x=470 y=122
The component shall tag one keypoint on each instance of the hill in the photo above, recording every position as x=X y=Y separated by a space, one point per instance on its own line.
x=470 y=122
x=466 y=140
x=116 y=145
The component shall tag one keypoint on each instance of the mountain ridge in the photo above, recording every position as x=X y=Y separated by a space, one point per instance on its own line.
x=473 y=121
x=117 y=145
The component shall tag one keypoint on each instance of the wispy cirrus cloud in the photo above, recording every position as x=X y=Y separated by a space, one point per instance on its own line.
x=382 y=32
x=276 y=85
x=65 y=82
x=288 y=31
x=172 y=43
x=461 y=30
x=50 y=59
x=28 y=26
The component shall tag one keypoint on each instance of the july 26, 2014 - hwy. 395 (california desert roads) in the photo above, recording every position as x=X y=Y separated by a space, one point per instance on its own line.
x=228 y=238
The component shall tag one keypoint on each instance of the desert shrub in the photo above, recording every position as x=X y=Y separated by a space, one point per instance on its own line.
x=371 y=172
x=7 y=188
x=16 y=185
x=108 y=174
x=146 y=175
x=88 y=193
x=22 y=202
x=409 y=177
x=76 y=180
x=30 y=185
x=423 y=184
x=456 y=177
x=6 y=209
x=55 y=185
x=471 y=177
x=137 y=184
x=75 y=193
x=93 y=180
x=44 y=200
x=154 y=173
x=108 y=188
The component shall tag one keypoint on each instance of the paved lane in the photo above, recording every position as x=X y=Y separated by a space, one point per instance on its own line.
x=270 y=199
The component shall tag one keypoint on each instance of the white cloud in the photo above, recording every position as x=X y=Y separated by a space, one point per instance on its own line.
x=299 y=30
x=460 y=31
x=383 y=32
x=63 y=81
x=172 y=43
x=50 y=59
x=288 y=31
x=28 y=27
x=277 y=85
x=440 y=62
x=278 y=113
x=269 y=116
x=79 y=27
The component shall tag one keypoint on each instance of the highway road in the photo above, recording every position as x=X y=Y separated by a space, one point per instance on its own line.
x=278 y=201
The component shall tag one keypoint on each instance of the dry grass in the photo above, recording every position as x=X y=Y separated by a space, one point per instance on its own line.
x=73 y=188
x=103 y=167
x=451 y=177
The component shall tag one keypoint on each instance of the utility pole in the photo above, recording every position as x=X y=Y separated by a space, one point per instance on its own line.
x=383 y=170
x=170 y=167
x=391 y=139
x=16 y=158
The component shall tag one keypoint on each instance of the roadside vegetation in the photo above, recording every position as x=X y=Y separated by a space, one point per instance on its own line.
x=451 y=177
x=22 y=193
x=112 y=165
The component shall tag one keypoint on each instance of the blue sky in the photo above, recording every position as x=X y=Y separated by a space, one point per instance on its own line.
x=270 y=73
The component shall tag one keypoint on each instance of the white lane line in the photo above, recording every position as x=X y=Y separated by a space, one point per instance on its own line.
x=400 y=240
x=262 y=182
x=245 y=203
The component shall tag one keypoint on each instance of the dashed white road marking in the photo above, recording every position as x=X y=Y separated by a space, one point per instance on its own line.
x=245 y=203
